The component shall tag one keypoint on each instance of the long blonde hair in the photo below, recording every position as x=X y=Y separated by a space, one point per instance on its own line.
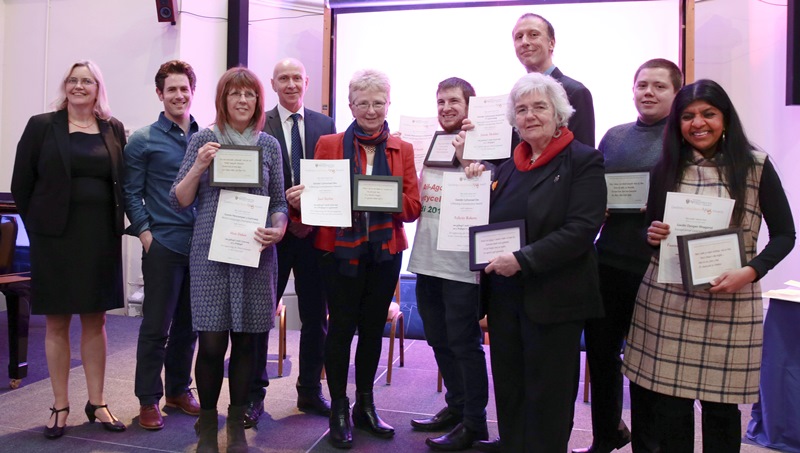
x=101 y=108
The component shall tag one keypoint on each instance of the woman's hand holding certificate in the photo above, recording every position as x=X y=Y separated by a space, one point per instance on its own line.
x=236 y=225
x=325 y=199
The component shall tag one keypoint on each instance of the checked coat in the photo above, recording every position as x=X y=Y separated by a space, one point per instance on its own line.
x=700 y=345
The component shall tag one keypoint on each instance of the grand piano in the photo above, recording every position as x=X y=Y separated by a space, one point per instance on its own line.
x=15 y=286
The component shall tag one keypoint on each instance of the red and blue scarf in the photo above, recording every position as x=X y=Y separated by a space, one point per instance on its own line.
x=354 y=242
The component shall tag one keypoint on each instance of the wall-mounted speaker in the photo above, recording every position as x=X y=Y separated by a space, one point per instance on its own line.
x=166 y=10
x=793 y=53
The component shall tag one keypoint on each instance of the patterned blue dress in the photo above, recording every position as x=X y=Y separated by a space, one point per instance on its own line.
x=226 y=296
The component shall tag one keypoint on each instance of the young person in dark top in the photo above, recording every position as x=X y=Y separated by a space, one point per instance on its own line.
x=628 y=147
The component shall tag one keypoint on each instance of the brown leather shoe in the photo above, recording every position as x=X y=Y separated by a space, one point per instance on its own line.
x=185 y=402
x=150 y=417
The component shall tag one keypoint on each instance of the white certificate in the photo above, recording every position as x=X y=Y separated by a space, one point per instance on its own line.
x=491 y=138
x=687 y=214
x=487 y=242
x=465 y=203
x=418 y=132
x=233 y=238
x=325 y=201
x=627 y=191
x=706 y=256
x=236 y=166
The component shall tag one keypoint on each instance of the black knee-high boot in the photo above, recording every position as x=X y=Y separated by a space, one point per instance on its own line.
x=365 y=417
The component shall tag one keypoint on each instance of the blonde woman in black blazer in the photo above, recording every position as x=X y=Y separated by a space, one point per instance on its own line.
x=67 y=186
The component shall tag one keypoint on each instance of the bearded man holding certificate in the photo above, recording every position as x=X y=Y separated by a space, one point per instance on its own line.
x=448 y=298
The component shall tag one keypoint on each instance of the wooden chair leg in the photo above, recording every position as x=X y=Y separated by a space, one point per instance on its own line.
x=439 y=382
x=281 y=337
x=586 y=380
x=402 y=336
x=392 y=331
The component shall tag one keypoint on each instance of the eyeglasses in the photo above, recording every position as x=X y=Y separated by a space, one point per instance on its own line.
x=248 y=95
x=536 y=109
x=84 y=81
x=364 y=106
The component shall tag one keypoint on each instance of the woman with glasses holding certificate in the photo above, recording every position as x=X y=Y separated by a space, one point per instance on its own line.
x=540 y=295
x=230 y=300
x=686 y=345
x=360 y=264
x=67 y=184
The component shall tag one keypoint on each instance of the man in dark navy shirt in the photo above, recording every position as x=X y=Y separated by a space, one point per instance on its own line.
x=166 y=339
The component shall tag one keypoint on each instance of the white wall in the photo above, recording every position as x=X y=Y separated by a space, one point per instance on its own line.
x=742 y=45
x=287 y=29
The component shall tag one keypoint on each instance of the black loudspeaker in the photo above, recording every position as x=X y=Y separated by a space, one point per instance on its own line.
x=166 y=10
x=793 y=53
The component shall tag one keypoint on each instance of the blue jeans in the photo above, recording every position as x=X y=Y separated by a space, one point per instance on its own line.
x=166 y=338
x=450 y=313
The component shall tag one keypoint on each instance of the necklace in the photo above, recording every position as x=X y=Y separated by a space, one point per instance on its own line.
x=369 y=149
x=80 y=126
x=533 y=158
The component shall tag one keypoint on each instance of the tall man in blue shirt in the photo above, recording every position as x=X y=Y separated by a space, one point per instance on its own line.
x=152 y=158
x=288 y=122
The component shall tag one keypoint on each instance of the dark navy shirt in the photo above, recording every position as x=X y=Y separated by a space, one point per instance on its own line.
x=153 y=156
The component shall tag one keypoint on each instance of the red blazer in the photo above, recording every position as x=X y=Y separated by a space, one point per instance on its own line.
x=400 y=156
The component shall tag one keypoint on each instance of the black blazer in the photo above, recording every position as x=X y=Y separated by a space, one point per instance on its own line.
x=316 y=125
x=582 y=121
x=42 y=179
x=565 y=209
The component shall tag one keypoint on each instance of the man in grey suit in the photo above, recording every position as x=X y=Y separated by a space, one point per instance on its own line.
x=297 y=130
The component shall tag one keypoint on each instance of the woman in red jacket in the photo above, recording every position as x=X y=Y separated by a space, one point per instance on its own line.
x=361 y=264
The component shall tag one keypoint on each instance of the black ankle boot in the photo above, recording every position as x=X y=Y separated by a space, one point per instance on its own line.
x=341 y=434
x=365 y=417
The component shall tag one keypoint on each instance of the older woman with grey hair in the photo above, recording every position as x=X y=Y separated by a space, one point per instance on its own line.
x=360 y=264
x=539 y=296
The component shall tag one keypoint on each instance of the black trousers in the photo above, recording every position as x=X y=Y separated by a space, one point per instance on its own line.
x=669 y=423
x=450 y=313
x=166 y=338
x=360 y=302
x=604 y=337
x=298 y=255
x=535 y=373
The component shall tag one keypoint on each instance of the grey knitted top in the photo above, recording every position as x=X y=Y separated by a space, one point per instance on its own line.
x=628 y=147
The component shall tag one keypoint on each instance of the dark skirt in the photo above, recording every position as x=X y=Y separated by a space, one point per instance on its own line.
x=81 y=270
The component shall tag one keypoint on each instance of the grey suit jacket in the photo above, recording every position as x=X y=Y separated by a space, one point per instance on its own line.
x=316 y=125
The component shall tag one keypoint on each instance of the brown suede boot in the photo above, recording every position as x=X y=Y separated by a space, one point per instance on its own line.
x=206 y=428
x=237 y=442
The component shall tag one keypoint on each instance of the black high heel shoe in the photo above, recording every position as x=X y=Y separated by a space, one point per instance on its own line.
x=114 y=426
x=55 y=431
